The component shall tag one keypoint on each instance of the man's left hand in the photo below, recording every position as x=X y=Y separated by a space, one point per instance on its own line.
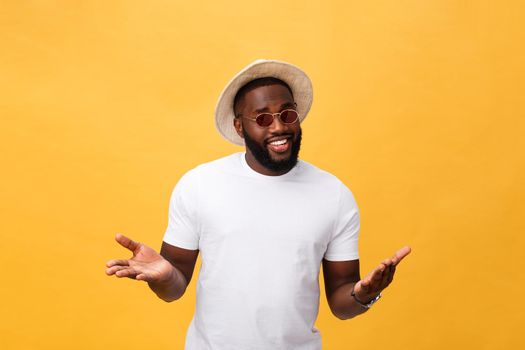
x=370 y=286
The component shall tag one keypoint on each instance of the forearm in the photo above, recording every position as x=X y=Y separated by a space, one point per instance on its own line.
x=172 y=288
x=343 y=304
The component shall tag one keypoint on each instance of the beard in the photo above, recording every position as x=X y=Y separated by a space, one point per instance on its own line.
x=262 y=155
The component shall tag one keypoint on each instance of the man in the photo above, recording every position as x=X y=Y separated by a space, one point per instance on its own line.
x=264 y=223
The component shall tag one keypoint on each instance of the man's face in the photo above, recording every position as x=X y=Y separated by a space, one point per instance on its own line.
x=266 y=144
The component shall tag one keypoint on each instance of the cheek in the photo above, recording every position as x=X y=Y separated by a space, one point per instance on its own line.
x=256 y=133
x=296 y=130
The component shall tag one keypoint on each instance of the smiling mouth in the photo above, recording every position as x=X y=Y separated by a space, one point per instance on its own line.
x=280 y=146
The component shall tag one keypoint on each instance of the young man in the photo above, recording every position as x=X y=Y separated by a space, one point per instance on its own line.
x=264 y=222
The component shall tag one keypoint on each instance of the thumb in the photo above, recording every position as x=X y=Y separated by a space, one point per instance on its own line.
x=126 y=242
x=360 y=287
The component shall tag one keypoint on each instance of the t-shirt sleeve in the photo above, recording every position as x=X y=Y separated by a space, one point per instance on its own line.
x=343 y=245
x=183 y=230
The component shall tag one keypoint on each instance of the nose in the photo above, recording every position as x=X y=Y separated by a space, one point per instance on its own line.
x=277 y=125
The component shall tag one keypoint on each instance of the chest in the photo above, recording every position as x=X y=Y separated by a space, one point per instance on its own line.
x=252 y=218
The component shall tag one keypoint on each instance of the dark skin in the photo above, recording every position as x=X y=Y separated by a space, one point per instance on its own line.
x=271 y=99
x=169 y=273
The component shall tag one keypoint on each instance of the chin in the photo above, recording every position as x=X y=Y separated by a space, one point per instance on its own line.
x=274 y=161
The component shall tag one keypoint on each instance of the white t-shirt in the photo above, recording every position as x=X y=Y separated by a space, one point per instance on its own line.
x=262 y=240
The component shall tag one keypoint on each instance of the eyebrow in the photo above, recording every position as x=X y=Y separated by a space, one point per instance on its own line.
x=283 y=106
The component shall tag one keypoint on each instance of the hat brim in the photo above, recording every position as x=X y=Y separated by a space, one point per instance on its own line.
x=296 y=79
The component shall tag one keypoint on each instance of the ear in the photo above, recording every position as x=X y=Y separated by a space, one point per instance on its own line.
x=238 y=126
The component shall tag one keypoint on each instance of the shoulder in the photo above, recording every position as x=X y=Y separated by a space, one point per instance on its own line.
x=317 y=174
x=212 y=168
x=223 y=163
x=325 y=180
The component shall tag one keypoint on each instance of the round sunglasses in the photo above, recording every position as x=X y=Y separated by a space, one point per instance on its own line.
x=287 y=116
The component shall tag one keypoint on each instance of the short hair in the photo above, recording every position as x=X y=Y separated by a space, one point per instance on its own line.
x=255 y=84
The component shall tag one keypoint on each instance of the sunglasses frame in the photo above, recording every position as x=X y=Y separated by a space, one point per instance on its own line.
x=273 y=116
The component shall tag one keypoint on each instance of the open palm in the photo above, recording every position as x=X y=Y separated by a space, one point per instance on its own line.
x=377 y=280
x=146 y=264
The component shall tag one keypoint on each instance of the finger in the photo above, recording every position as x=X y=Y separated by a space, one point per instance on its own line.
x=400 y=254
x=371 y=279
x=126 y=272
x=387 y=278
x=376 y=278
x=388 y=264
x=362 y=287
x=126 y=242
x=392 y=266
x=112 y=270
x=119 y=262
x=391 y=276
x=143 y=277
x=377 y=274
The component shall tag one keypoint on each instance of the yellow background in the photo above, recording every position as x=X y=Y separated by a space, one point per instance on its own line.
x=418 y=108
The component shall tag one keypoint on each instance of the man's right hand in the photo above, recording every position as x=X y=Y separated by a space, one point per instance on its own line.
x=145 y=265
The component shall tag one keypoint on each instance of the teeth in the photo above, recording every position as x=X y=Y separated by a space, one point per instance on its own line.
x=279 y=142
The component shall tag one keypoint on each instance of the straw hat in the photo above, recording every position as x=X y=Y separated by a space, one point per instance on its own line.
x=296 y=79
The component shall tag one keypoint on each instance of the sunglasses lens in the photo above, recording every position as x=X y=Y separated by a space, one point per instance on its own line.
x=264 y=119
x=289 y=116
